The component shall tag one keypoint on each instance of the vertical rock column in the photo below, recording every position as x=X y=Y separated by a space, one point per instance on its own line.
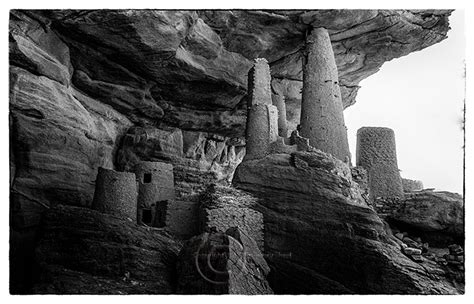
x=279 y=101
x=262 y=116
x=322 y=119
x=376 y=152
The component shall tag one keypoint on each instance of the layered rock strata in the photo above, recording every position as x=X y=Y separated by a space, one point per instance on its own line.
x=435 y=216
x=82 y=251
x=320 y=230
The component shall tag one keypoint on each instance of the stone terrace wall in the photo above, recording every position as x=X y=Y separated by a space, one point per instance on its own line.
x=224 y=207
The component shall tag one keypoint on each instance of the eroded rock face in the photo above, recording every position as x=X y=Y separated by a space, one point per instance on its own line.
x=82 y=251
x=105 y=70
x=435 y=216
x=59 y=137
x=198 y=159
x=172 y=81
x=320 y=230
x=156 y=65
x=222 y=263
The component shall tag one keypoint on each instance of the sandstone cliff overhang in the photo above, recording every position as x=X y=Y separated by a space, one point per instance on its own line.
x=158 y=66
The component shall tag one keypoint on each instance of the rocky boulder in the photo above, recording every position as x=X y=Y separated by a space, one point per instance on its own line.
x=82 y=251
x=316 y=221
x=222 y=263
x=436 y=216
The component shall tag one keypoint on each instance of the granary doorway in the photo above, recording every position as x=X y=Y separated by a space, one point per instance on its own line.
x=161 y=208
x=147 y=216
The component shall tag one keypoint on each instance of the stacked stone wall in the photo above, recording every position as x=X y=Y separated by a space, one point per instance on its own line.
x=224 y=207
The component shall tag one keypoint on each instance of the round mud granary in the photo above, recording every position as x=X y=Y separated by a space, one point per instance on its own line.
x=155 y=192
x=377 y=153
x=116 y=193
x=410 y=185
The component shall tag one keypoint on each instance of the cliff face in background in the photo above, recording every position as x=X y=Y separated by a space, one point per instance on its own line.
x=108 y=88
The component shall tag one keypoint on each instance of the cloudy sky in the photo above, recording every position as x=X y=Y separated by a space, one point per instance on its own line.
x=420 y=96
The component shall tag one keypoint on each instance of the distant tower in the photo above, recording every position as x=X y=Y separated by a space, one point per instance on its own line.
x=116 y=193
x=279 y=102
x=377 y=153
x=155 y=192
x=322 y=119
x=262 y=116
x=410 y=185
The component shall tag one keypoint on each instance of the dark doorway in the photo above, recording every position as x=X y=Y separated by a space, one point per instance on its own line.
x=147 y=217
x=147 y=178
x=160 y=215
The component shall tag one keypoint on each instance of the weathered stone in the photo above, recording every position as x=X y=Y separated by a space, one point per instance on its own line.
x=412 y=251
x=59 y=138
x=222 y=263
x=437 y=217
x=411 y=243
x=159 y=69
x=37 y=49
x=315 y=220
x=455 y=249
x=116 y=193
x=322 y=120
x=224 y=207
x=82 y=251
x=399 y=236
x=198 y=159
x=376 y=152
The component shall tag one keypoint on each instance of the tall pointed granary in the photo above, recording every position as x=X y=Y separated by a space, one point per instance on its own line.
x=262 y=116
x=322 y=119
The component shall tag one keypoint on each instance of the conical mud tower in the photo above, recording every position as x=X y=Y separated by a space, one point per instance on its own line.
x=322 y=120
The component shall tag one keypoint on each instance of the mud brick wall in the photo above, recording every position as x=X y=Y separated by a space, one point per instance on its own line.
x=262 y=116
x=116 y=193
x=377 y=153
x=322 y=119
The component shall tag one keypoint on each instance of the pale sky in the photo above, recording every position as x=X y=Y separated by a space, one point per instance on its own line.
x=420 y=97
